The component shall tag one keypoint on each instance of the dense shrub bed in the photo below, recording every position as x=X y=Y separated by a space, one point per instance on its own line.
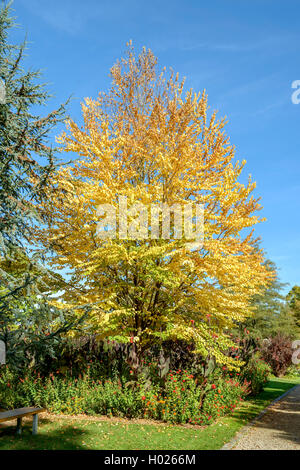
x=180 y=398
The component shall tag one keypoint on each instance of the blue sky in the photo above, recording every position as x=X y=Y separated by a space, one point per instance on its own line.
x=245 y=53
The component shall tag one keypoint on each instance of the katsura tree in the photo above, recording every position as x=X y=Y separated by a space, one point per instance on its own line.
x=27 y=159
x=150 y=142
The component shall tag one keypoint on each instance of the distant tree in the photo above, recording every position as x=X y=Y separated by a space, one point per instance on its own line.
x=271 y=314
x=293 y=302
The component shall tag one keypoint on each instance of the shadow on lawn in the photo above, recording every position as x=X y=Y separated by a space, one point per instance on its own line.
x=62 y=437
x=273 y=391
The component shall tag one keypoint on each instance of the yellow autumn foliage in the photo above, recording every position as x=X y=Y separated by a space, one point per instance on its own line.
x=149 y=141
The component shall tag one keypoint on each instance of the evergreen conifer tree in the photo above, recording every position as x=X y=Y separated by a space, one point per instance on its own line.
x=27 y=158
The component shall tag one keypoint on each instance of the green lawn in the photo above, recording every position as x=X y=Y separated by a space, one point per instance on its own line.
x=69 y=433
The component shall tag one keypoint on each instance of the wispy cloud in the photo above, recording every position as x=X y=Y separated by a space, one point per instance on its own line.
x=248 y=88
x=276 y=43
x=271 y=107
x=253 y=99
x=68 y=16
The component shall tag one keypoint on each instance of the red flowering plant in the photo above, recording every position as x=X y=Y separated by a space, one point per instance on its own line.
x=186 y=400
x=223 y=398
x=178 y=402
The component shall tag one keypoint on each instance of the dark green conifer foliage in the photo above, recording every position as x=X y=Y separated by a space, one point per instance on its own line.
x=27 y=158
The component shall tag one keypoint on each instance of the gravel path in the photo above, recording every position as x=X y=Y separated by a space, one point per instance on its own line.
x=277 y=429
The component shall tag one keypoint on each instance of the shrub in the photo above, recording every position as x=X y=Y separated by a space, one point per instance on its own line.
x=178 y=401
x=293 y=371
x=223 y=397
x=256 y=373
x=277 y=352
x=70 y=395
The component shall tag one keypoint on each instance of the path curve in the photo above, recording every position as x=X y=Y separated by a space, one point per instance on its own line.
x=277 y=429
